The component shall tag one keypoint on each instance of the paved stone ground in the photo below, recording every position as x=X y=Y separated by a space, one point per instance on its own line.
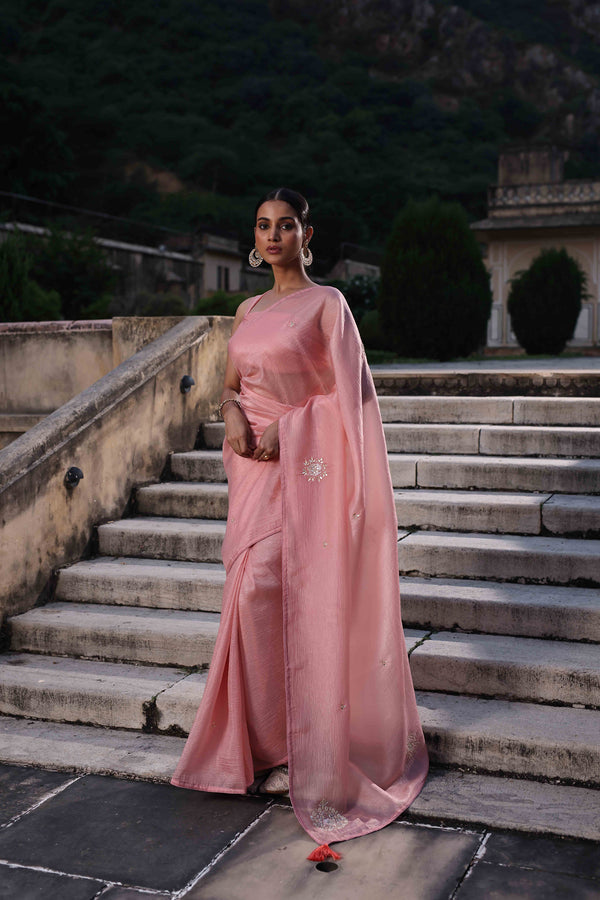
x=65 y=837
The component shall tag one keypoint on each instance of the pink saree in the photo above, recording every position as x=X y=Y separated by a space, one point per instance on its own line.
x=310 y=663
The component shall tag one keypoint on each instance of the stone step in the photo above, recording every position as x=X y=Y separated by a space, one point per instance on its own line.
x=527 y=739
x=492 y=410
x=494 y=440
x=541 y=560
x=565 y=476
x=498 y=512
x=448 y=795
x=107 y=693
x=89 y=749
x=538 y=440
x=525 y=610
x=514 y=668
x=186 y=499
x=562 y=613
x=162 y=637
x=500 y=803
x=128 y=581
x=159 y=537
x=523 y=739
x=489 y=511
x=198 y=465
x=498 y=557
x=500 y=473
x=207 y=466
x=115 y=695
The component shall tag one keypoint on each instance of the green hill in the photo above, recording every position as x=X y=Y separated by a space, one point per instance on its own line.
x=359 y=105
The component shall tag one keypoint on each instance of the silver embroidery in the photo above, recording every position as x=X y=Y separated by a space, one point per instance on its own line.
x=314 y=469
x=412 y=742
x=325 y=544
x=356 y=515
x=327 y=817
x=291 y=323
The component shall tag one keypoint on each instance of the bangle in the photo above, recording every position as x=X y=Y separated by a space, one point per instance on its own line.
x=228 y=400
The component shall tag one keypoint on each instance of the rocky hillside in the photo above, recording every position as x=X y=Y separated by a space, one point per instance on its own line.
x=182 y=113
x=476 y=49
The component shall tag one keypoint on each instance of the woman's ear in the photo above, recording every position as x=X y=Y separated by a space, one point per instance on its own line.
x=308 y=234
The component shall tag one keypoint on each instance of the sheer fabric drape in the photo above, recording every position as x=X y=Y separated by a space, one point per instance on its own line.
x=310 y=664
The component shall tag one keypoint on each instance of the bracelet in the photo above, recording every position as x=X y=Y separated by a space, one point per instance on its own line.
x=228 y=400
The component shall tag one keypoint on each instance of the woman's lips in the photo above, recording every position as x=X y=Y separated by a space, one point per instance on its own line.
x=273 y=249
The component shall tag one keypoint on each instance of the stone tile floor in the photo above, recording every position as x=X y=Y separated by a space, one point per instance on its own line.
x=78 y=837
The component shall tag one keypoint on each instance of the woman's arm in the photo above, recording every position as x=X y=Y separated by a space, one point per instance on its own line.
x=237 y=429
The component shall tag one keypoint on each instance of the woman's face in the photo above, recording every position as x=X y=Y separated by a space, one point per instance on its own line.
x=278 y=233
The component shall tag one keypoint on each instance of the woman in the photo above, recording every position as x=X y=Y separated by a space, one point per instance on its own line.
x=310 y=667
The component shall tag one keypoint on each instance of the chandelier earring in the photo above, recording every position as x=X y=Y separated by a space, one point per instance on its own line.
x=254 y=258
x=306 y=255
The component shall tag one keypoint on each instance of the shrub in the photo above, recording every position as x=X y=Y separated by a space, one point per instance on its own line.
x=545 y=301
x=74 y=265
x=361 y=292
x=21 y=298
x=370 y=331
x=435 y=297
x=219 y=303
x=161 y=305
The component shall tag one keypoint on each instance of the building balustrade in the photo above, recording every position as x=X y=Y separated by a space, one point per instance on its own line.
x=563 y=193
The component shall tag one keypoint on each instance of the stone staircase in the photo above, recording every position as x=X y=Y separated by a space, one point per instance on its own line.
x=498 y=503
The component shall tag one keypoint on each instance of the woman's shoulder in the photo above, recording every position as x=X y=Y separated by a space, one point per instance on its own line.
x=330 y=295
x=243 y=306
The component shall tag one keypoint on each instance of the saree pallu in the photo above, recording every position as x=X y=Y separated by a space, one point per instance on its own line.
x=323 y=637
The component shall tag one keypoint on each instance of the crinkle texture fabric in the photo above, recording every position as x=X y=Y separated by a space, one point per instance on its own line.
x=355 y=747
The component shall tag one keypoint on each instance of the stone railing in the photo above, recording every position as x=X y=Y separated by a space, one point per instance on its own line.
x=118 y=432
x=565 y=193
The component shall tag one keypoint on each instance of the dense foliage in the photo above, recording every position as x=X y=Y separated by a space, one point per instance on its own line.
x=228 y=99
x=545 y=301
x=435 y=297
x=21 y=297
x=74 y=265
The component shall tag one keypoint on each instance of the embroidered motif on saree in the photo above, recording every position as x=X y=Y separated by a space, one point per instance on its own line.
x=327 y=817
x=314 y=469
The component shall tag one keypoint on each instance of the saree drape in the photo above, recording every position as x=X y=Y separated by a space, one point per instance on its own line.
x=311 y=605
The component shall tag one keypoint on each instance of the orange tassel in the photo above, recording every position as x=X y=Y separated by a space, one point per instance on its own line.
x=322 y=853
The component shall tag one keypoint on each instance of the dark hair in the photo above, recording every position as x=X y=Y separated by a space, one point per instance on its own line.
x=296 y=201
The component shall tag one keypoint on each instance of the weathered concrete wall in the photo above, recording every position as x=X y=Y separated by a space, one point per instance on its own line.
x=131 y=333
x=44 y=364
x=119 y=431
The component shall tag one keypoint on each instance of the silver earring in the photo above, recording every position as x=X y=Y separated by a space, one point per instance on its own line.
x=254 y=258
x=306 y=255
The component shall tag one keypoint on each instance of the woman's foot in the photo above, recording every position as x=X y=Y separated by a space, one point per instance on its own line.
x=277 y=782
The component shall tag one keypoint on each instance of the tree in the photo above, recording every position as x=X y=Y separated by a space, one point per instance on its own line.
x=21 y=298
x=435 y=297
x=545 y=301
x=75 y=265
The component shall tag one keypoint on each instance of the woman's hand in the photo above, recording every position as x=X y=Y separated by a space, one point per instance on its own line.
x=268 y=445
x=237 y=430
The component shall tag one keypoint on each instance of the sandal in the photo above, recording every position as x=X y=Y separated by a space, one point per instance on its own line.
x=277 y=782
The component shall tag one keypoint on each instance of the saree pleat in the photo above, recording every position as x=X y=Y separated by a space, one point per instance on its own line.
x=239 y=727
x=310 y=663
